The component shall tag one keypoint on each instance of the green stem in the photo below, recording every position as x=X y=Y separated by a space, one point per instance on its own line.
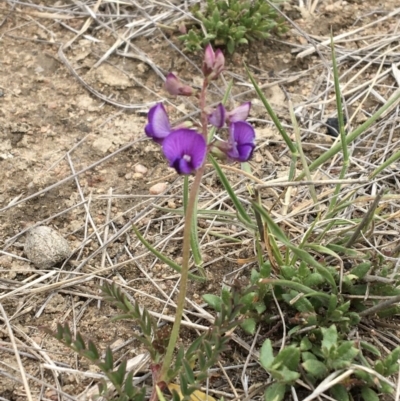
x=184 y=274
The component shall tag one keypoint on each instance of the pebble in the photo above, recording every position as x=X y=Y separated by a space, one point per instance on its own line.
x=171 y=204
x=5 y=262
x=137 y=176
x=102 y=144
x=139 y=168
x=45 y=247
x=158 y=188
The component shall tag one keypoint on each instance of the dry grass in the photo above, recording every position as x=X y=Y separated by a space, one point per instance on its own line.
x=368 y=60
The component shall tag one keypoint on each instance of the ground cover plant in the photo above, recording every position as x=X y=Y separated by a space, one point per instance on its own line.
x=277 y=286
x=232 y=23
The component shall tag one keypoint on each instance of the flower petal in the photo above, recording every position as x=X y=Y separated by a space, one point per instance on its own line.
x=239 y=113
x=158 y=127
x=185 y=150
x=242 y=141
x=217 y=117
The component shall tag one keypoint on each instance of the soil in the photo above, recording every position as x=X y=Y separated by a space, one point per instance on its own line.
x=52 y=127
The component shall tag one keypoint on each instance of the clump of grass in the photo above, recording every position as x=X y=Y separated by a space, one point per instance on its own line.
x=231 y=23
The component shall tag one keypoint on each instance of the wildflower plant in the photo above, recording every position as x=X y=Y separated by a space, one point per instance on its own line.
x=320 y=304
x=187 y=150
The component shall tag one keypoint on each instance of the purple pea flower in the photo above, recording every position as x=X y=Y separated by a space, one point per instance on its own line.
x=185 y=150
x=241 y=141
x=175 y=87
x=158 y=127
x=220 y=115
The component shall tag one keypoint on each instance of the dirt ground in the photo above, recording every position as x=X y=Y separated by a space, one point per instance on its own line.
x=52 y=127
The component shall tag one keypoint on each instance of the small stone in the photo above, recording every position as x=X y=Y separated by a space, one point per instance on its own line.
x=171 y=204
x=5 y=262
x=128 y=176
x=139 y=168
x=102 y=144
x=44 y=247
x=137 y=176
x=159 y=188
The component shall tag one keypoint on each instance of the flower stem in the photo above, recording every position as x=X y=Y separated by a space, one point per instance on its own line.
x=180 y=304
x=184 y=274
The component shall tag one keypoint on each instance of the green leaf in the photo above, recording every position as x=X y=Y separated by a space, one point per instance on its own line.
x=361 y=270
x=275 y=392
x=213 y=301
x=249 y=326
x=79 y=342
x=289 y=357
x=346 y=350
x=332 y=304
x=108 y=361
x=368 y=394
x=329 y=337
x=92 y=348
x=370 y=348
x=305 y=356
x=128 y=386
x=266 y=354
x=284 y=375
x=248 y=299
x=230 y=46
x=120 y=373
x=188 y=372
x=315 y=368
x=313 y=280
x=305 y=344
x=67 y=334
x=260 y=307
x=339 y=393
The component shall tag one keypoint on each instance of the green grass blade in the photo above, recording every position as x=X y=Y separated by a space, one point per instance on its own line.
x=240 y=209
x=194 y=235
x=273 y=116
x=301 y=153
x=162 y=257
x=387 y=163
x=350 y=137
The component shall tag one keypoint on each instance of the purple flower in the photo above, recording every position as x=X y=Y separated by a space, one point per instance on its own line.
x=217 y=117
x=241 y=141
x=213 y=63
x=185 y=150
x=158 y=127
x=175 y=87
x=239 y=113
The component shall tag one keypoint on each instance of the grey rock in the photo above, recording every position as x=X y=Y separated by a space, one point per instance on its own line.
x=45 y=247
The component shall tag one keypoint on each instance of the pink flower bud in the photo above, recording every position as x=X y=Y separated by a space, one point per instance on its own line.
x=213 y=63
x=175 y=87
